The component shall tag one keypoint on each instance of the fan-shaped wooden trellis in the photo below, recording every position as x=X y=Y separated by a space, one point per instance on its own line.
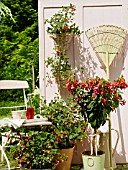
x=107 y=41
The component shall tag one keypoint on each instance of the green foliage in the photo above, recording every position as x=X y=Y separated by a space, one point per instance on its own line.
x=6 y=112
x=38 y=147
x=24 y=13
x=4 y=10
x=62 y=22
x=35 y=101
x=60 y=68
x=67 y=123
x=19 y=42
x=35 y=150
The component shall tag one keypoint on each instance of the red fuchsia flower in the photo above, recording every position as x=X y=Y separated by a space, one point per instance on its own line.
x=57 y=162
x=72 y=87
x=123 y=102
x=96 y=87
x=68 y=85
x=58 y=52
x=110 y=88
x=23 y=146
x=104 y=101
x=123 y=85
x=73 y=9
x=113 y=91
x=77 y=83
x=66 y=27
x=21 y=160
x=77 y=99
x=120 y=83
x=102 y=92
x=91 y=83
x=84 y=85
x=113 y=108
x=116 y=98
x=94 y=94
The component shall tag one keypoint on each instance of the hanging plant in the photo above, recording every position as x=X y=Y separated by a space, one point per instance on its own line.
x=62 y=29
x=60 y=68
x=62 y=22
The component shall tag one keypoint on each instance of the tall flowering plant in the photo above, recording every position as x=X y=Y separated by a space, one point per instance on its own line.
x=97 y=97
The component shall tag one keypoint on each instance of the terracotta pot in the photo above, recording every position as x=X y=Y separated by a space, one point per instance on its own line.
x=62 y=40
x=66 y=165
x=80 y=147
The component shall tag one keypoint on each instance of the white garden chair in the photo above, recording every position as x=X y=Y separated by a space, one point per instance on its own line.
x=14 y=84
x=6 y=85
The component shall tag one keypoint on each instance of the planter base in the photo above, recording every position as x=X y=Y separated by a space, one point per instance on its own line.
x=91 y=162
x=66 y=165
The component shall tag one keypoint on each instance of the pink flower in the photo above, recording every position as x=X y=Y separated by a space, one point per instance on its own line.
x=94 y=94
x=102 y=92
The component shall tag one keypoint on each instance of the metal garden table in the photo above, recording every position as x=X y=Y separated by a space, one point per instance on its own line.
x=22 y=123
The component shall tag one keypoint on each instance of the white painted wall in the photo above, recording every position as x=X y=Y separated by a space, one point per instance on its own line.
x=89 y=13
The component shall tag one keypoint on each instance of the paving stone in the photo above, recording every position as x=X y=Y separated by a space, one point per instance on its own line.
x=122 y=167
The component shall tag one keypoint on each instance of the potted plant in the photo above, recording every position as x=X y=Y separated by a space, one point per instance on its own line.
x=97 y=97
x=35 y=150
x=42 y=148
x=67 y=125
x=61 y=26
x=61 y=29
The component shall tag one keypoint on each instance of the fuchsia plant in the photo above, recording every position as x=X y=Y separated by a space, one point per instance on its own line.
x=97 y=98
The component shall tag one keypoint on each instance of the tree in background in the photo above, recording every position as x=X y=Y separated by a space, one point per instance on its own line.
x=4 y=10
x=19 y=42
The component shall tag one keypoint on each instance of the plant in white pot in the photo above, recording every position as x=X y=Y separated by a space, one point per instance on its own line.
x=97 y=98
